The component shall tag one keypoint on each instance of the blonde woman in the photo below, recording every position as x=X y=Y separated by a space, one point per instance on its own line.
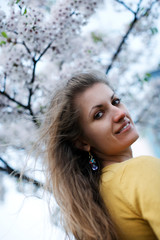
x=103 y=192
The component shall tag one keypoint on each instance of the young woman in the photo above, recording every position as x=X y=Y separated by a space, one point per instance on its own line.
x=103 y=192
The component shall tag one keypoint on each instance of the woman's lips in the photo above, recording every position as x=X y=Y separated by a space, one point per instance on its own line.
x=125 y=126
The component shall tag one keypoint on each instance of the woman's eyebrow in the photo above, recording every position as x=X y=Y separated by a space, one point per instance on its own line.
x=100 y=105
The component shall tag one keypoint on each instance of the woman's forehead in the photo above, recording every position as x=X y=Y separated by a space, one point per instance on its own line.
x=95 y=92
x=95 y=95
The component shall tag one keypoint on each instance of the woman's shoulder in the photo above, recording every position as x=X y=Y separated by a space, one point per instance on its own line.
x=138 y=175
x=132 y=162
x=139 y=169
x=134 y=177
x=141 y=162
x=130 y=169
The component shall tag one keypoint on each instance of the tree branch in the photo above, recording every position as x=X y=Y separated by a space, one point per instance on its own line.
x=131 y=26
x=125 y=5
x=34 y=119
x=138 y=5
x=23 y=106
x=30 y=89
x=28 y=50
x=148 y=9
x=44 y=51
x=13 y=99
x=121 y=44
x=17 y=174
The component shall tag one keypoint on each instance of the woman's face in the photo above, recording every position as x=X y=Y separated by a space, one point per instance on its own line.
x=107 y=126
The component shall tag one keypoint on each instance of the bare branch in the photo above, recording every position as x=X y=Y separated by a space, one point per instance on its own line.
x=35 y=121
x=138 y=5
x=148 y=9
x=30 y=89
x=34 y=70
x=13 y=99
x=34 y=118
x=17 y=174
x=26 y=47
x=125 y=5
x=131 y=26
x=119 y=48
x=44 y=51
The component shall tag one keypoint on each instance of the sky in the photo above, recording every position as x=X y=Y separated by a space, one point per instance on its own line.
x=25 y=218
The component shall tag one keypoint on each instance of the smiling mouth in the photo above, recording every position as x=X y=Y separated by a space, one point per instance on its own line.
x=125 y=126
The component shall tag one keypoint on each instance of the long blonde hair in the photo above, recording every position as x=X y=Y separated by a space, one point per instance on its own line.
x=75 y=186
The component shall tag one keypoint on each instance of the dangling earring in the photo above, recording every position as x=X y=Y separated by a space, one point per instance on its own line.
x=92 y=162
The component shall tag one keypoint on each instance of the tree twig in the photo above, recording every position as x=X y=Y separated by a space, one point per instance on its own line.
x=125 y=5
x=17 y=174
x=119 y=48
x=13 y=99
x=28 y=50
x=131 y=26
x=26 y=107
x=138 y=5
x=44 y=51
x=149 y=9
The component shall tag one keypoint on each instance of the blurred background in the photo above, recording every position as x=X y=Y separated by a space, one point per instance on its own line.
x=42 y=43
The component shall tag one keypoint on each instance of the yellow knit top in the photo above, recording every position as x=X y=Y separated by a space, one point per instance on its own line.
x=131 y=191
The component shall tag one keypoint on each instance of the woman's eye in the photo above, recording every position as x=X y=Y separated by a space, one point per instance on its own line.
x=98 y=115
x=116 y=101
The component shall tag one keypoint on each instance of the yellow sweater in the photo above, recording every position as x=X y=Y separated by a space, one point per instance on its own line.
x=131 y=191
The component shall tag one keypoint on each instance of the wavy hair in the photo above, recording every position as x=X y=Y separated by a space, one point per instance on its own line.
x=75 y=186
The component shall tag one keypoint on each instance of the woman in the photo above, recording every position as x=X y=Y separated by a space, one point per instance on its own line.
x=103 y=192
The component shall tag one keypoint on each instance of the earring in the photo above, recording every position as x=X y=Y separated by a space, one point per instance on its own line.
x=92 y=162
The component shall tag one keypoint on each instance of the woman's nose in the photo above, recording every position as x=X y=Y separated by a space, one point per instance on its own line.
x=119 y=115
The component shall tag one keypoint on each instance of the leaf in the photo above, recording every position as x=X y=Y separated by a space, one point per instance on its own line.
x=25 y=11
x=148 y=74
x=2 y=42
x=4 y=34
x=147 y=77
x=96 y=38
x=154 y=30
x=18 y=1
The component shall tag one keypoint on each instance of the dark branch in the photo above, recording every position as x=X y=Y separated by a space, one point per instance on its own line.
x=125 y=5
x=30 y=96
x=28 y=50
x=148 y=9
x=17 y=174
x=34 y=119
x=33 y=72
x=45 y=50
x=138 y=5
x=30 y=89
x=13 y=99
x=121 y=44
x=131 y=26
x=23 y=106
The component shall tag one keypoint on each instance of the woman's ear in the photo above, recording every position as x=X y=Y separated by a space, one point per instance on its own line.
x=82 y=145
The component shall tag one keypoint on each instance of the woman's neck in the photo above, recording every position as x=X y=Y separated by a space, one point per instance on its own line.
x=117 y=158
